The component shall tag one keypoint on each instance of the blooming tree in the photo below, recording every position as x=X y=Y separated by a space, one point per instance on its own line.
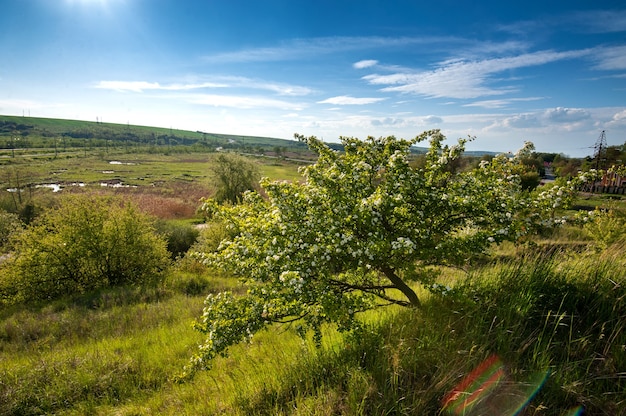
x=360 y=230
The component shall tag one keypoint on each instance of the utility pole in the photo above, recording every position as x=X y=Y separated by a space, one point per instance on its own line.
x=599 y=153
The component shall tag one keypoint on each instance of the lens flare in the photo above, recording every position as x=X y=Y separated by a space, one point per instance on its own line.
x=489 y=390
x=577 y=411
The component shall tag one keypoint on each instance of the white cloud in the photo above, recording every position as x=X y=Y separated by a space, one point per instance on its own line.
x=465 y=79
x=618 y=119
x=432 y=120
x=492 y=104
x=141 y=86
x=365 y=64
x=487 y=47
x=522 y=121
x=220 y=82
x=347 y=100
x=566 y=115
x=489 y=104
x=283 y=89
x=613 y=58
x=552 y=119
x=387 y=121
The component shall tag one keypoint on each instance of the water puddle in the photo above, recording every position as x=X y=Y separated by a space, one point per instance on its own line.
x=117 y=162
x=55 y=187
x=115 y=184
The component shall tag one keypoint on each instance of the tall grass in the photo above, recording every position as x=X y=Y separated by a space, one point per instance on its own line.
x=539 y=314
x=564 y=315
x=102 y=348
x=115 y=352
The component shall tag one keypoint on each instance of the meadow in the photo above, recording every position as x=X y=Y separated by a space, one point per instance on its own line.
x=547 y=317
x=117 y=351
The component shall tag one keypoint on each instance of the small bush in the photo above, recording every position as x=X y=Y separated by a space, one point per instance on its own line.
x=9 y=225
x=211 y=235
x=85 y=244
x=189 y=284
x=606 y=228
x=179 y=237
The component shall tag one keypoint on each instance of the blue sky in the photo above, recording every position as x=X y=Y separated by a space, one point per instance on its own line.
x=552 y=72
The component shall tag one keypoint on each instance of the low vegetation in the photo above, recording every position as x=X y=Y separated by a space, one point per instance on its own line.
x=85 y=244
x=117 y=350
x=100 y=292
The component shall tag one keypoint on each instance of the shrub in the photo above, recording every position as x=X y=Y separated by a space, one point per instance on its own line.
x=9 y=225
x=85 y=244
x=179 y=237
x=606 y=228
x=232 y=175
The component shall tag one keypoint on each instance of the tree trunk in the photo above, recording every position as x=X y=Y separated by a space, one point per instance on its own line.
x=402 y=286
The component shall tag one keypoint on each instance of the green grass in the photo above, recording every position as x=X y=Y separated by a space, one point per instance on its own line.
x=167 y=186
x=116 y=351
x=43 y=132
x=135 y=170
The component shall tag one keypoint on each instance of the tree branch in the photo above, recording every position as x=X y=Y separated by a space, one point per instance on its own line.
x=399 y=284
x=364 y=288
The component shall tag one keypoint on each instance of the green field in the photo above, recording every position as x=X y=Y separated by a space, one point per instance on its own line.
x=117 y=351
x=21 y=136
x=552 y=310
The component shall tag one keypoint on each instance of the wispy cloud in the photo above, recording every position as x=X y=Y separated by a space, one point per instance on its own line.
x=559 y=117
x=618 y=119
x=566 y=115
x=216 y=82
x=347 y=100
x=141 y=86
x=466 y=79
x=492 y=104
x=276 y=87
x=598 y=21
x=611 y=58
x=296 y=49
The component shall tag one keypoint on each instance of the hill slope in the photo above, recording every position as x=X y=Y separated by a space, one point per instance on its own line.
x=36 y=132
x=24 y=132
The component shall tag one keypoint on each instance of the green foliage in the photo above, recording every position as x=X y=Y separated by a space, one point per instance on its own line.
x=605 y=227
x=530 y=168
x=211 y=235
x=85 y=244
x=9 y=225
x=530 y=180
x=358 y=231
x=179 y=237
x=232 y=175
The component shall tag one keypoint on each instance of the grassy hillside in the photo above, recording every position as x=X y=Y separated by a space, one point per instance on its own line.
x=40 y=132
x=25 y=132
x=117 y=351
x=546 y=320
